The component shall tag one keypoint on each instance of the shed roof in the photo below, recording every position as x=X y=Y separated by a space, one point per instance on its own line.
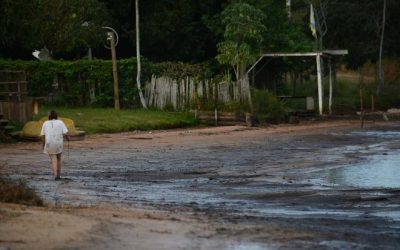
x=333 y=52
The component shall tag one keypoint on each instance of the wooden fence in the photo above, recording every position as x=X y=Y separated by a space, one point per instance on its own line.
x=16 y=111
x=15 y=105
x=221 y=118
x=162 y=92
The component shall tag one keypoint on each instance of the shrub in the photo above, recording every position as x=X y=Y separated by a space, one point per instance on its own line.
x=18 y=192
x=267 y=106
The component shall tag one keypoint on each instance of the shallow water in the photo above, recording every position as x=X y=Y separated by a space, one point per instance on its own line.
x=248 y=246
x=379 y=134
x=380 y=171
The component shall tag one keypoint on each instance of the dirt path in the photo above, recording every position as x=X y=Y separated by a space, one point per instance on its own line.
x=211 y=188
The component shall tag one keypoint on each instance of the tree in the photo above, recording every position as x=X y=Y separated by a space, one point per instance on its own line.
x=139 y=67
x=284 y=34
x=56 y=24
x=176 y=30
x=243 y=37
x=356 y=25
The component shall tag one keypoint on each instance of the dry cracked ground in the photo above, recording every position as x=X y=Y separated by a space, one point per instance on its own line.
x=322 y=185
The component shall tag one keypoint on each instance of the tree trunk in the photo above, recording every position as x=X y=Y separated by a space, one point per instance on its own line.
x=289 y=11
x=139 y=67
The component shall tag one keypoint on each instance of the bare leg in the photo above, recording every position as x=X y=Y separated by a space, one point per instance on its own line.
x=58 y=165
x=54 y=163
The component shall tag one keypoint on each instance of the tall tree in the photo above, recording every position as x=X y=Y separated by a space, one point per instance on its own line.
x=243 y=36
x=139 y=67
x=356 y=25
x=286 y=35
x=244 y=32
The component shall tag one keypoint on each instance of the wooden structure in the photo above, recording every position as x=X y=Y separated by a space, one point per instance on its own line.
x=220 y=118
x=15 y=105
x=162 y=92
x=318 y=58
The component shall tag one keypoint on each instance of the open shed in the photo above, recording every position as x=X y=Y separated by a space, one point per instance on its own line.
x=319 y=56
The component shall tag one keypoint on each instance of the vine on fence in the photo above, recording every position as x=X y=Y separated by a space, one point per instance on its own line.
x=90 y=83
x=85 y=82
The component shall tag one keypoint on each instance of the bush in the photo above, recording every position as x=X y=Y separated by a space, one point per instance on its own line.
x=389 y=97
x=90 y=83
x=82 y=82
x=267 y=106
x=18 y=192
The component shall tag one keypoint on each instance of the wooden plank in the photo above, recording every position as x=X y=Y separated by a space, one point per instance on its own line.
x=16 y=111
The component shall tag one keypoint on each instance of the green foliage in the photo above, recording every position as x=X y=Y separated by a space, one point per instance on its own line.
x=243 y=36
x=231 y=107
x=243 y=23
x=356 y=26
x=107 y=120
x=175 y=30
x=57 y=24
x=189 y=30
x=388 y=98
x=70 y=82
x=346 y=96
x=84 y=82
x=267 y=106
x=180 y=70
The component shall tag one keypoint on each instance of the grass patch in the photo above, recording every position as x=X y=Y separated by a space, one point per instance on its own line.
x=107 y=120
x=18 y=192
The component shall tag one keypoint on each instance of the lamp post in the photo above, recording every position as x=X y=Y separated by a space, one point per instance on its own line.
x=90 y=57
x=112 y=37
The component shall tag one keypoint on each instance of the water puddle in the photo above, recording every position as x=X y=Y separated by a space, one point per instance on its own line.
x=380 y=171
x=390 y=134
x=248 y=246
x=292 y=212
x=394 y=215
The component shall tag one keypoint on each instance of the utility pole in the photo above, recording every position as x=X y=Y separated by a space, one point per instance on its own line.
x=110 y=36
x=381 y=79
x=139 y=67
x=288 y=7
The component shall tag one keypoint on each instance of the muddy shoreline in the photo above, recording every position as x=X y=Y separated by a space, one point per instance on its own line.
x=275 y=187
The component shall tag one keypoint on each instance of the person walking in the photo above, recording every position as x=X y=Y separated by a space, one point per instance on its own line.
x=53 y=132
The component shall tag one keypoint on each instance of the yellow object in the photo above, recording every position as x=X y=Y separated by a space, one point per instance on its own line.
x=32 y=128
x=69 y=123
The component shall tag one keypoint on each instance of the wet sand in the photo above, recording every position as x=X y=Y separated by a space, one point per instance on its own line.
x=233 y=187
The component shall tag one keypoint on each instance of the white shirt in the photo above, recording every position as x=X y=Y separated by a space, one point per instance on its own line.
x=53 y=131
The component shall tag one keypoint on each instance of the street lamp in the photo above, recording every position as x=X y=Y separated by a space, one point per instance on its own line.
x=112 y=37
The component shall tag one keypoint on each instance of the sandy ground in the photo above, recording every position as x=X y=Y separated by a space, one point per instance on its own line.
x=209 y=188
